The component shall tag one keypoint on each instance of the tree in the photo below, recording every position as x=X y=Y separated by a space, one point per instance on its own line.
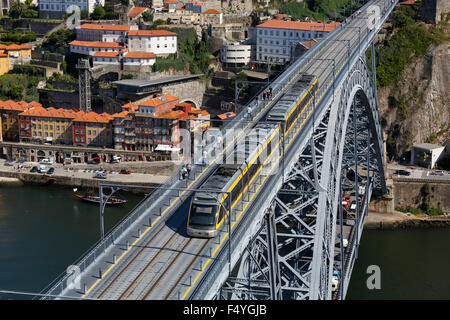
x=159 y=22
x=15 y=91
x=148 y=17
x=84 y=14
x=98 y=13
x=16 y=9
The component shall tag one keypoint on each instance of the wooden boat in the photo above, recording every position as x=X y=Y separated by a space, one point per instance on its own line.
x=96 y=199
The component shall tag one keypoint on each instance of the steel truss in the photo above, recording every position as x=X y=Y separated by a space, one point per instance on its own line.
x=297 y=248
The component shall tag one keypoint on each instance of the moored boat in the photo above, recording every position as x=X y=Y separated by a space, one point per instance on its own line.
x=96 y=199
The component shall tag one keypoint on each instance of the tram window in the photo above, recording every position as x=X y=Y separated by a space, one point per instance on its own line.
x=221 y=214
x=245 y=178
x=203 y=215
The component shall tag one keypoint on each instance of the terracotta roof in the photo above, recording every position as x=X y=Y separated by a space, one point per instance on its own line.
x=136 y=11
x=17 y=47
x=140 y=55
x=13 y=106
x=108 y=27
x=212 y=11
x=199 y=4
x=409 y=2
x=95 y=44
x=296 y=25
x=181 y=8
x=177 y=114
x=131 y=106
x=3 y=55
x=93 y=117
x=35 y=104
x=48 y=113
x=114 y=54
x=170 y=1
x=120 y=114
x=157 y=101
x=151 y=33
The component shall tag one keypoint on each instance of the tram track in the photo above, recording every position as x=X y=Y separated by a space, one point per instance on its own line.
x=311 y=68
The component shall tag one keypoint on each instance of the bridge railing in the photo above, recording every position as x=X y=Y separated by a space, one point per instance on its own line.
x=241 y=121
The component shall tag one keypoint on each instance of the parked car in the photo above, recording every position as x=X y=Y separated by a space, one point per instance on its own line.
x=42 y=169
x=46 y=161
x=123 y=171
x=9 y=163
x=34 y=169
x=402 y=172
x=115 y=159
x=100 y=175
x=51 y=170
x=437 y=173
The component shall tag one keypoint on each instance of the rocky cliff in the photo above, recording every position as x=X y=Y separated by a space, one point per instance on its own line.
x=417 y=109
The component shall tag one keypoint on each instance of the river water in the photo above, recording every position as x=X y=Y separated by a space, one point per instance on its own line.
x=44 y=229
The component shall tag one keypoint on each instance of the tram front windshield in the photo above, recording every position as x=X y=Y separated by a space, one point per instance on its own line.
x=204 y=215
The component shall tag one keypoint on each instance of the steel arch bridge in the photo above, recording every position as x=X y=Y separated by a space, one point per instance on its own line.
x=292 y=254
x=290 y=235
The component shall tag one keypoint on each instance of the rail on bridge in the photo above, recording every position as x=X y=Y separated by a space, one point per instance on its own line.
x=283 y=241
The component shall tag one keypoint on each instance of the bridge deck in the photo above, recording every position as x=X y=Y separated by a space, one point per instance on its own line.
x=161 y=262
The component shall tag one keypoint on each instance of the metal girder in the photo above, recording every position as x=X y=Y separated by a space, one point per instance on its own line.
x=347 y=140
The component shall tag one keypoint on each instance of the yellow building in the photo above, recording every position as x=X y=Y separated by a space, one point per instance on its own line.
x=16 y=54
x=48 y=125
x=9 y=111
x=4 y=63
x=93 y=129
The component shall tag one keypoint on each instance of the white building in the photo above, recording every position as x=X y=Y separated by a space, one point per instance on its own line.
x=57 y=8
x=159 y=42
x=124 y=58
x=235 y=54
x=91 y=47
x=426 y=154
x=103 y=32
x=276 y=39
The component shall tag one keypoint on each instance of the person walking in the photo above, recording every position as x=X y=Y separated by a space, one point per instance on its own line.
x=249 y=111
x=204 y=157
x=182 y=173
x=188 y=168
x=270 y=91
x=264 y=96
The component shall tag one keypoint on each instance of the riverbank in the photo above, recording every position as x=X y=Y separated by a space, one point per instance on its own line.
x=79 y=176
x=399 y=220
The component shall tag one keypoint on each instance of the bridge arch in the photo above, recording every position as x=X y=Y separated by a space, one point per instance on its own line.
x=305 y=212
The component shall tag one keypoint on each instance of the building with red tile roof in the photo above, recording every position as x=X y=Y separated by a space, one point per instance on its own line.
x=9 y=112
x=46 y=124
x=275 y=37
x=103 y=32
x=157 y=121
x=159 y=42
x=90 y=47
x=137 y=12
x=298 y=25
x=212 y=16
